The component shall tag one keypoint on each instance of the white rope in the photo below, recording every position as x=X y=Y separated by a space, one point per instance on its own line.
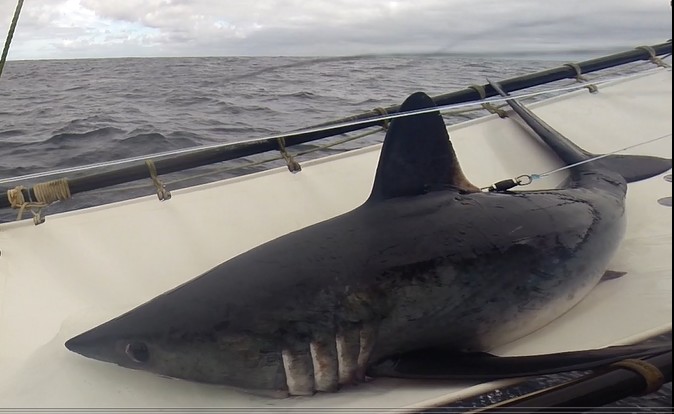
x=313 y=130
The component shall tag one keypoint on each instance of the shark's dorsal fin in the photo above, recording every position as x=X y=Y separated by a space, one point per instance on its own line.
x=417 y=155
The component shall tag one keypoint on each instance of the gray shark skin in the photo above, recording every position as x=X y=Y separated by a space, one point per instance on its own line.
x=427 y=262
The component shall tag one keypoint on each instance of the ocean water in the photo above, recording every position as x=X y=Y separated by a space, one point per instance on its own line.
x=57 y=114
x=65 y=113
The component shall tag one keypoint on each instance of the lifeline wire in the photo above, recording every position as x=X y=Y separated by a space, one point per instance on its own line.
x=313 y=130
x=252 y=164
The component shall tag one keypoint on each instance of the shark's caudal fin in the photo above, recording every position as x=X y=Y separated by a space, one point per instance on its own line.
x=631 y=167
x=417 y=155
x=439 y=364
x=636 y=167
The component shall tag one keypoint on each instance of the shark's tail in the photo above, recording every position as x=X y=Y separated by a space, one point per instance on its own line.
x=630 y=167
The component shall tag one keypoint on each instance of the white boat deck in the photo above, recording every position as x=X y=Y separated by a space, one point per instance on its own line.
x=82 y=268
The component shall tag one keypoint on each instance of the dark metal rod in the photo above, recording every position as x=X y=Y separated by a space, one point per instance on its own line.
x=581 y=395
x=10 y=35
x=228 y=152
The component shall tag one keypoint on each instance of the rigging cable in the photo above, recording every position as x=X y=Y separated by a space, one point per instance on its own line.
x=10 y=35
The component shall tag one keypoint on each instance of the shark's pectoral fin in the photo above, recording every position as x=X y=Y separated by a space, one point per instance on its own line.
x=439 y=364
x=417 y=155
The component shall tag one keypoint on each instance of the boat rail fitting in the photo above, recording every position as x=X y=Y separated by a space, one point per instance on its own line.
x=479 y=89
x=382 y=112
x=492 y=109
x=654 y=56
x=293 y=166
x=163 y=193
x=582 y=79
x=652 y=376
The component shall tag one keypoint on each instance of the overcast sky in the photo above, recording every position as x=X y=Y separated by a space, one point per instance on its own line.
x=115 y=28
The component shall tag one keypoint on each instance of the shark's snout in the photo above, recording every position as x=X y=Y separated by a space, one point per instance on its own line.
x=81 y=344
x=94 y=347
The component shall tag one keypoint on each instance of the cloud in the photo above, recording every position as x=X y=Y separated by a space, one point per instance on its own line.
x=98 y=28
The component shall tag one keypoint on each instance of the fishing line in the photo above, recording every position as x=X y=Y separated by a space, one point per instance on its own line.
x=375 y=119
x=556 y=170
x=526 y=179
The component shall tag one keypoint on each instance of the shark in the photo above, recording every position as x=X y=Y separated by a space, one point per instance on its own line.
x=428 y=265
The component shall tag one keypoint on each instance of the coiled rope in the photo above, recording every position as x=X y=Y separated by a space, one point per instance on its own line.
x=45 y=194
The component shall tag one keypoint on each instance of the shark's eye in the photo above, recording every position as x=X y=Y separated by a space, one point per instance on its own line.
x=137 y=351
